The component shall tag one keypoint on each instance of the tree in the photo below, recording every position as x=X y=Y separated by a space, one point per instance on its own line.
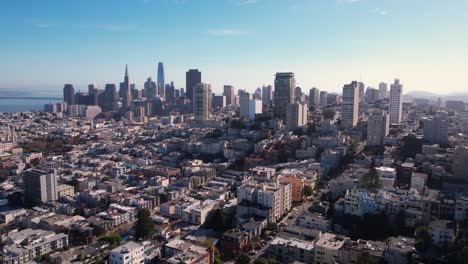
x=271 y=226
x=144 y=226
x=329 y=113
x=423 y=238
x=366 y=258
x=112 y=239
x=242 y=259
x=217 y=254
x=308 y=191
x=371 y=179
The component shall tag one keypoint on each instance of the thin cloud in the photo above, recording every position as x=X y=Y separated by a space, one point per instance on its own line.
x=224 y=32
x=244 y=2
x=348 y=1
x=380 y=11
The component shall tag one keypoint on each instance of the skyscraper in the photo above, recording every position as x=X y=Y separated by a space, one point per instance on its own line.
x=267 y=94
x=150 y=89
x=296 y=115
x=377 y=128
x=110 y=97
x=192 y=78
x=161 y=83
x=314 y=97
x=396 y=101
x=230 y=95
x=244 y=99
x=125 y=92
x=323 y=98
x=383 y=90
x=202 y=101
x=39 y=186
x=362 y=88
x=69 y=94
x=170 y=92
x=285 y=84
x=350 y=105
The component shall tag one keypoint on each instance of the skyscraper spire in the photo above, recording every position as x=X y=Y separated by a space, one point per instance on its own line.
x=126 y=70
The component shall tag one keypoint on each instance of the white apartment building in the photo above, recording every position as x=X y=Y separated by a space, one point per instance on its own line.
x=296 y=115
x=314 y=221
x=129 y=253
x=396 y=102
x=327 y=248
x=290 y=250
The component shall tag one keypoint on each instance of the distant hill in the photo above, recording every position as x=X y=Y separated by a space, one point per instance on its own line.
x=460 y=96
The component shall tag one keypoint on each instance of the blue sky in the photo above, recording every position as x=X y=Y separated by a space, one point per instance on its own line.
x=242 y=42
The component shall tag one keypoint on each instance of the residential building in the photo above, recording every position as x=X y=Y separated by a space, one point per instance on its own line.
x=396 y=102
x=129 y=253
x=327 y=248
x=377 y=128
x=255 y=107
x=460 y=164
x=202 y=101
x=350 y=105
x=39 y=186
x=230 y=95
x=297 y=184
x=267 y=94
x=244 y=99
x=435 y=130
x=296 y=115
x=442 y=232
x=383 y=90
x=289 y=250
x=314 y=97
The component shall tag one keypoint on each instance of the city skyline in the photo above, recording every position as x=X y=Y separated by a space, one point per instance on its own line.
x=236 y=42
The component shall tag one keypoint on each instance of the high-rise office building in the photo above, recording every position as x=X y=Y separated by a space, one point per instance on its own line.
x=125 y=92
x=285 y=84
x=192 y=78
x=257 y=94
x=435 y=130
x=460 y=164
x=396 y=102
x=383 y=90
x=150 y=89
x=202 y=101
x=362 y=88
x=244 y=100
x=314 y=97
x=377 y=128
x=110 y=97
x=230 y=95
x=219 y=101
x=69 y=94
x=267 y=94
x=170 y=92
x=323 y=98
x=296 y=115
x=255 y=107
x=372 y=95
x=39 y=186
x=350 y=105
x=161 y=82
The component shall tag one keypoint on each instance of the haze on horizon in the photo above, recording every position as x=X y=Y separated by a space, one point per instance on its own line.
x=326 y=43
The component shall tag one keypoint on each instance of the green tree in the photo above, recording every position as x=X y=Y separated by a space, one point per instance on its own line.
x=329 y=113
x=367 y=258
x=308 y=191
x=144 y=226
x=371 y=179
x=423 y=238
x=112 y=239
x=242 y=259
